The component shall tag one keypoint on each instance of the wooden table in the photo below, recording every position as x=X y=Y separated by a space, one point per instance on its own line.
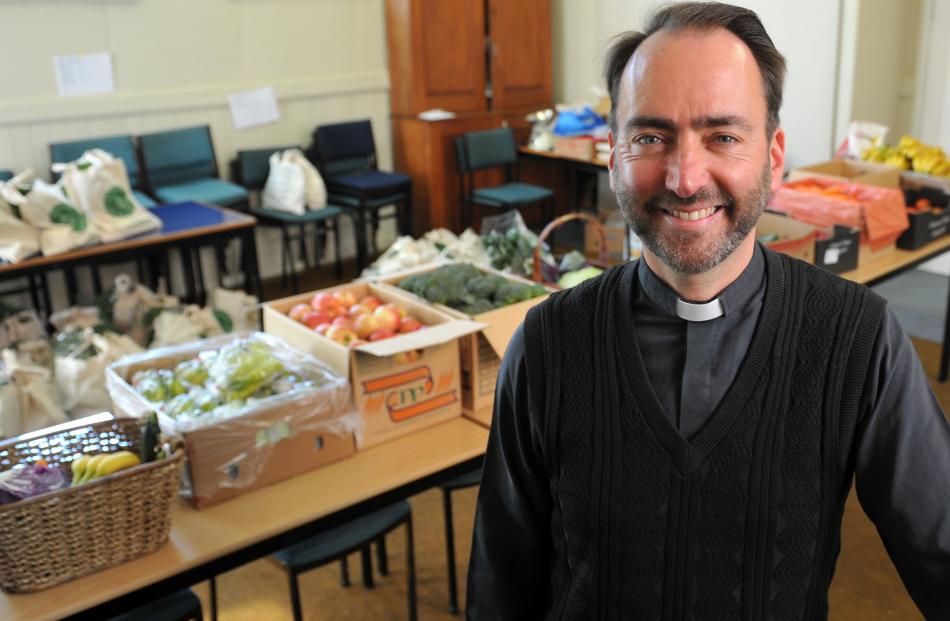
x=225 y=536
x=225 y=224
x=900 y=261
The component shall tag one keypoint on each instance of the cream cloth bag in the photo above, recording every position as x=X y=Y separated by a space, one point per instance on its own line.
x=18 y=240
x=62 y=226
x=98 y=184
x=293 y=184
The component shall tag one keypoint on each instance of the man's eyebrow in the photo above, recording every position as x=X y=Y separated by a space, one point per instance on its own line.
x=728 y=120
x=706 y=122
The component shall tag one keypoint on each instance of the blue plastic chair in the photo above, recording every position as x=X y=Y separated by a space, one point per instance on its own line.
x=180 y=166
x=6 y=175
x=345 y=154
x=495 y=148
x=121 y=147
x=251 y=169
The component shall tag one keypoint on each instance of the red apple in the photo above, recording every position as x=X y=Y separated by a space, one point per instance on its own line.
x=297 y=311
x=322 y=328
x=370 y=301
x=365 y=325
x=359 y=309
x=343 y=336
x=326 y=303
x=379 y=335
x=313 y=318
x=345 y=298
x=409 y=324
x=387 y=318
x=399 y=310
x=343 y=322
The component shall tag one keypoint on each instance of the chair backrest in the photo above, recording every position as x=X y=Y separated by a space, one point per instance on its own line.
x=487 y=149
x=178 y=156
x=342 y=148
x=6 y=175
x=121 y=147
x=251 y=167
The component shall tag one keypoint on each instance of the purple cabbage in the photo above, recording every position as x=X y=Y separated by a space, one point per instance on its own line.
x=25 y=480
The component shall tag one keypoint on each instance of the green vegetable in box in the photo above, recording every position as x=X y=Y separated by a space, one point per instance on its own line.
x=242 y=368
x=466 y=288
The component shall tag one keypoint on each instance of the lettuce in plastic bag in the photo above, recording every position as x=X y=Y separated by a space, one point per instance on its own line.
x=242 y=368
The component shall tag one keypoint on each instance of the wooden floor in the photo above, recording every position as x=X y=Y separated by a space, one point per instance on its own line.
x=866 y=586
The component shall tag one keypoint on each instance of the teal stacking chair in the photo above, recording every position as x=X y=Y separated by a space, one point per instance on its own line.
x=121 y=147
x=6 y=175
x=495 y=148
x=180 y=166
x=250 y=170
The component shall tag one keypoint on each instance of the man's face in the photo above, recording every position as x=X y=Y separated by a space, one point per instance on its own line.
x=691 y=164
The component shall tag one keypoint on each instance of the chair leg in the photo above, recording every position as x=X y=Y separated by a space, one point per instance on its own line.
x=450 y=551
x=303 y=248
x=382 y=560
x=96 y=280
x=344 y=572
x=295 y=595
x=411 y=570
x=337 y=253
x=214 y=599
x=71 y=288
x=366 y=564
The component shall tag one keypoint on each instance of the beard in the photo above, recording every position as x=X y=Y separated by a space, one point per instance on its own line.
x=685 y=251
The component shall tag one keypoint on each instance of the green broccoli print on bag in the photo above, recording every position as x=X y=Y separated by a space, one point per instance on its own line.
x=118 y=202
x=67 y=214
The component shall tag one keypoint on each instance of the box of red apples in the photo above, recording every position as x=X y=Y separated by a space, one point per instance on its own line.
x=401 y=356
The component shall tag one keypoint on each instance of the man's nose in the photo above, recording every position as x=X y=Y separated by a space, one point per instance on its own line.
x=686 y=171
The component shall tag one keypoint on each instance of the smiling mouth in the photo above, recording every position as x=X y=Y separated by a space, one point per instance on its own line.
x=697 y=214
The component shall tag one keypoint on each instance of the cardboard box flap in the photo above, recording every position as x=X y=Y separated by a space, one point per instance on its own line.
x=498 y=333
x=428 y=337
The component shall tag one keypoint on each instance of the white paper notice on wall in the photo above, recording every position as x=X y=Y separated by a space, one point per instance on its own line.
x=252 y=108
x=83 y=74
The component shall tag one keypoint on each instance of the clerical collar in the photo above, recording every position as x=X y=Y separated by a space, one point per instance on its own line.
x=734 y=297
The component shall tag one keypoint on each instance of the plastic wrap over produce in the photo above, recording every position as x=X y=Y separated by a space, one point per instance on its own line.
x=252 y=409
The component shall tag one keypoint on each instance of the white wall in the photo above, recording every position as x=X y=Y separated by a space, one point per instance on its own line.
x=175 y=63
x=806 y=32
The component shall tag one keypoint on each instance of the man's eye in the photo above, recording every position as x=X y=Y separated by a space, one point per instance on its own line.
x=725 y=139
x=648 y=139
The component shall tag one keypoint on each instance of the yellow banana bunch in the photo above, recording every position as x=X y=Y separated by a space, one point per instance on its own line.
x=87 y=468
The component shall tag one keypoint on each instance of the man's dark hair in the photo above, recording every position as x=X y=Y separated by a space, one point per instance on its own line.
x=741 y=22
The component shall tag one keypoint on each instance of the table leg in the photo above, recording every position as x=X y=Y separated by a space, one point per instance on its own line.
x=249 y=248
x=188 y=271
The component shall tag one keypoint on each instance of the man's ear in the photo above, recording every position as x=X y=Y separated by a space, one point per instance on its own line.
x=777 y=158
x=610 y=158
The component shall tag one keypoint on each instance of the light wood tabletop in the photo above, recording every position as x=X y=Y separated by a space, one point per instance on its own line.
x=198 y=537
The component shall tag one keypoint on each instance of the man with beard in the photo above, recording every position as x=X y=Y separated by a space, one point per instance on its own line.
x=676 y=439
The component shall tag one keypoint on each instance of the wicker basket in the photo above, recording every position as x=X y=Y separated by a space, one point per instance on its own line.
x=55 y=537
x=602 y=260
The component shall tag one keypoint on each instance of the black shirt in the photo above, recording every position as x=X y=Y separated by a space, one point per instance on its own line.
x=902 y=447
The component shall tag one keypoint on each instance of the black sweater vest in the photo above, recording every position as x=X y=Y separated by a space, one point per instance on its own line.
x=742 y=521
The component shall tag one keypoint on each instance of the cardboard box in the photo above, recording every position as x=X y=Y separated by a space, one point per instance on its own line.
x=580 y=148
x=615 y=233
x=796 y=239
x=837 y=250
x=851 y=171
x=246 y=452
x=480 y=353
x=925 y=226
x=400 y=384
x=482 y=417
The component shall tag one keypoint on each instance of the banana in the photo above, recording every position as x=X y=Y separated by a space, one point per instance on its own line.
x=91 y=466
x=113 y=462
x=79 y=468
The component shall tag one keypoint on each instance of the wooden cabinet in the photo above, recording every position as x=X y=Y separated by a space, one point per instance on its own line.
x=436 y=55
x=520 y=53
x=487 y=61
